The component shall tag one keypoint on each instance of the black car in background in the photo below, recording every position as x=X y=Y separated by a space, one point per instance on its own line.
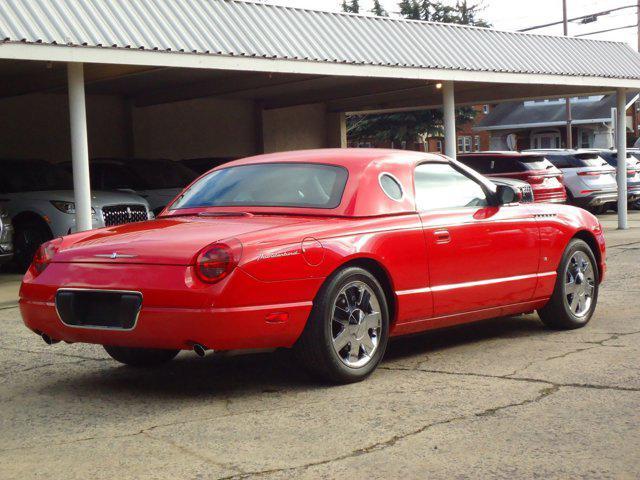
x=157 y=180
x=6 y=236
x=204 y=164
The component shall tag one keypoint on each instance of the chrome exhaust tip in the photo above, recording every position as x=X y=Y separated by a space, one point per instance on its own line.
x=200 y=350
x=48 y=340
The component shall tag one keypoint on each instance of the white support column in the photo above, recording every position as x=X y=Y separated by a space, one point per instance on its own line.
x=79 y=146
x=621 y=146
x=449 y=108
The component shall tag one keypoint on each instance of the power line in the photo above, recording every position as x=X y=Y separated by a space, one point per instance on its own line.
x=583 y=17
x=607 y=30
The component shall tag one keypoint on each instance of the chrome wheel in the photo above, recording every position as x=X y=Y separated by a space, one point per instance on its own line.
x=579 y=284
x=356 y=324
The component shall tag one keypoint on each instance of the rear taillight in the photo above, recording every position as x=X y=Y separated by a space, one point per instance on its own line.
x=589 y=174
x=44 y=255
x=535 y=179
x=218 y=260
x=631 y=173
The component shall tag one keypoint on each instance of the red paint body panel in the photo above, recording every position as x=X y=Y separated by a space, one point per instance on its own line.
x=442 y=267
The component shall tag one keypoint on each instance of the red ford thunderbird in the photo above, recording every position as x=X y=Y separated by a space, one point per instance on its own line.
x=330 y=252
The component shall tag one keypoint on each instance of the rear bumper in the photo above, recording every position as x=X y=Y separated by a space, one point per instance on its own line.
x=180 y=328
x=177 y=310
x=596 y=198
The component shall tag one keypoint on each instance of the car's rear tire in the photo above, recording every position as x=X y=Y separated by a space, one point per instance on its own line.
x=29 y=235
x=140 y=357
x=347 y=332
x=575 y=294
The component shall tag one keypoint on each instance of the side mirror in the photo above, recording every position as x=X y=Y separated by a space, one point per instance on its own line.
x=507 y=194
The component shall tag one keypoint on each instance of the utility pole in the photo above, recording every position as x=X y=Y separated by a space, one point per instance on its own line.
x=565 y=24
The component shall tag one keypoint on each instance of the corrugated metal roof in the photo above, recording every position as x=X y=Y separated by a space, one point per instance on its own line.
x=238 y=28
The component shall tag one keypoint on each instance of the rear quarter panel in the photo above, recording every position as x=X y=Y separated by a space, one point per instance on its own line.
x=318 y=248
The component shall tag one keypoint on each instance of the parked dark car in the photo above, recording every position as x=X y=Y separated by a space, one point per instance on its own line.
x=203 y=165
x=536 y=170
x=6 y=236
x=156 y=180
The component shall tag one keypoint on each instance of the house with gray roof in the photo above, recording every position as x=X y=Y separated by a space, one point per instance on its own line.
x=542 y=123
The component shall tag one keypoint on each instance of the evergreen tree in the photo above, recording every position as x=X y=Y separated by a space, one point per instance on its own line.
x=352 y=7
x=378 y=10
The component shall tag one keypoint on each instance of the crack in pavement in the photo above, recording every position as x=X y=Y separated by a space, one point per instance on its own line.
x=57 y=354
x=517 y=379
x=44 y=365
x=228 y=402
x=543 y=393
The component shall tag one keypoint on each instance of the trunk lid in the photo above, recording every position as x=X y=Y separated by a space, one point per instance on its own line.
x=165 y=241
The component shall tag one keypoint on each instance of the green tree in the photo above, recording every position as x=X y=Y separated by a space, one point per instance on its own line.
x=410 y=126
x=351 y=7
x=378 y=10
x=410 y=9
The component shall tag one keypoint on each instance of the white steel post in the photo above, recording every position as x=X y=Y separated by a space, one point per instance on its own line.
x=79 y=146
x=449 y=107
x=621 y=146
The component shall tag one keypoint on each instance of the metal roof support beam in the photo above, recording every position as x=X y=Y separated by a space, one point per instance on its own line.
x=449 y=106
x=79 y=146
x=621 y=168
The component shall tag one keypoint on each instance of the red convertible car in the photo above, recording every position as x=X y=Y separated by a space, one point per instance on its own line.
x=330 y=252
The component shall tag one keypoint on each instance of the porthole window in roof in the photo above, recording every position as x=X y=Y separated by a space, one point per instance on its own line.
x=391 y=187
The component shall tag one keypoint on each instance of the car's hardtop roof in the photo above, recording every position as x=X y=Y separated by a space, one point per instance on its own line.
x=363 y=195
x=351 y=158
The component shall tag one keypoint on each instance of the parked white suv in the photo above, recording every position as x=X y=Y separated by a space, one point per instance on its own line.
x=590 y=181
x=157 y=180
x=39 y=198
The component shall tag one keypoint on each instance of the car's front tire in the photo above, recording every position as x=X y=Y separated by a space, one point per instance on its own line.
x=347 y=332
x=140 y=357
x=575 y=294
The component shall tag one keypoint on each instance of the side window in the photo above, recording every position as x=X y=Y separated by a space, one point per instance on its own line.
x=95 y=176
x=116 y=177
x=438 y=185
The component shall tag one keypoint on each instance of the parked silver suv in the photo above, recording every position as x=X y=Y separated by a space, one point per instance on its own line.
x=39 y=198
x=6 y=236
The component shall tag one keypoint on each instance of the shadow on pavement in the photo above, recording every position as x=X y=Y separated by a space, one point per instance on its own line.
x=220 y=376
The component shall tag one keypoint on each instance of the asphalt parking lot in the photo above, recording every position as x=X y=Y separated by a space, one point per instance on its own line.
x=500 y=399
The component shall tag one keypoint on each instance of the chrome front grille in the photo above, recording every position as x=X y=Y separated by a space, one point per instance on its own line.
x=119 y=214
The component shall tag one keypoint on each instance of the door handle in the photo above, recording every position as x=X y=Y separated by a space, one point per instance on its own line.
x=442 y=236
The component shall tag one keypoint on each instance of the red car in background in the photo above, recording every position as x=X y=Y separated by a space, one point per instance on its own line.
x=535 y=169
x=330 y=252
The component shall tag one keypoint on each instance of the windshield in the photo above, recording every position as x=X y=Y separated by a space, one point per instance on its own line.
x=268 y=185
x=156 y=174
x=32 y=176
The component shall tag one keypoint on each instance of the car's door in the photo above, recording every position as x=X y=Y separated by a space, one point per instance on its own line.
x=481 y=255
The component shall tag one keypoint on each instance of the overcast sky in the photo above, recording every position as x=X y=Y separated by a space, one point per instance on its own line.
x=517 y=14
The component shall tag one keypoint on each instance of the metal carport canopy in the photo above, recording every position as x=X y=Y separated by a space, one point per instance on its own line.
x=238 y=35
